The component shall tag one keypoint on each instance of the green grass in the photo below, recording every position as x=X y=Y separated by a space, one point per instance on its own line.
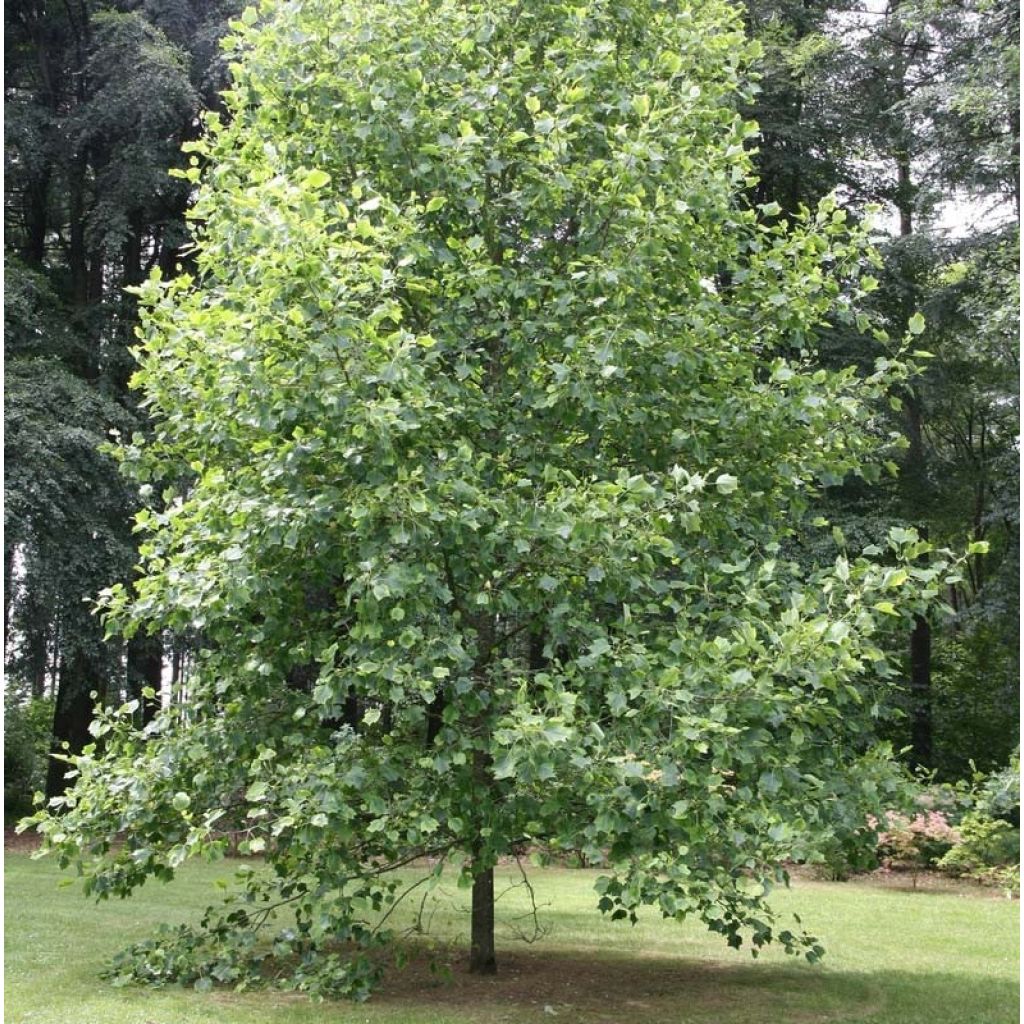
x=894 y=957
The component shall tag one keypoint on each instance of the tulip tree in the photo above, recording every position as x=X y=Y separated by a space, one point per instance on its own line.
x=483 y=433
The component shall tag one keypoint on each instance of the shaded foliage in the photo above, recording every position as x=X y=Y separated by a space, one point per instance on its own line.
x=916 y=105
x=98 y=100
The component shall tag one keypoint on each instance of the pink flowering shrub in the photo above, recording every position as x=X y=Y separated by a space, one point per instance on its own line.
x=916 y=841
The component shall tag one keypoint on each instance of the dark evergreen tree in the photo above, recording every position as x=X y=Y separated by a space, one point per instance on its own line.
x=99 y=97
x=916 y=106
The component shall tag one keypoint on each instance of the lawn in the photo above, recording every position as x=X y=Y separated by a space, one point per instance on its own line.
x=894 y=957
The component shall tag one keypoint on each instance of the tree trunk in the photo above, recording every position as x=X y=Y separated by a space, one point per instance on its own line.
x=8 y=589
x=538 y=662
x=435 y=719
x=918 y=494
x=78 y=257
x=481 y=947
x=36 y=209
x=145 y=669
x=176 y=656
x=35 y=624
x=905 y=191
x=481 y=941
x=920 y=692
x=917 y=477
x=350 y=710
x=36 y=658
x=1015 y=135
x=71 y=717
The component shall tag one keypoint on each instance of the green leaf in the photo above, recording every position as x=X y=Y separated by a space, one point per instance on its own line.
x=316 y=179
x=505 y=767
x=671 y=62
x=256 y=792
x=642 y=106
x=750 y=886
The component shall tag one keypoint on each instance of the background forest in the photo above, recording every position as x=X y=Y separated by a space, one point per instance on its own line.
x=912 y=105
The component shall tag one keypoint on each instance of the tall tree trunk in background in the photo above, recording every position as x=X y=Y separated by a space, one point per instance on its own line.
x=920 y=692
x=8 y=584
x=435 y=712
x=177 y=657
x=904 y=192
x=37 y=633
x=145 y=669
x=481 y=938
x=131 y=256
x=1015 y=135
x=78 y=678
x=35 y=629
x=535 y=658
x=915 y=471
x=78 y=257
x=915 y=466
x=36 y=210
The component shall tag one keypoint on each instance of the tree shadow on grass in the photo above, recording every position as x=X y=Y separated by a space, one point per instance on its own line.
x=593 y=989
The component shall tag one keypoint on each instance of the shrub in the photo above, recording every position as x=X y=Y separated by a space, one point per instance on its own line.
x=998 y=794
x=967 y=829
x=989 y=850
x=27 y=728
x=848 y=855
x=1006 y=878
x=916 y=841
x=984 y=843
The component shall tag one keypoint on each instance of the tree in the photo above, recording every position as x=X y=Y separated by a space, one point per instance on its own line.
x=477 y=432
x=938 y=78
x=59 y=487
x=97 y=102
x=804 y=148
x=913 y=104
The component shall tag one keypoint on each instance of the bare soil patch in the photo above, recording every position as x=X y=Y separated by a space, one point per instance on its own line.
x=27 y=842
